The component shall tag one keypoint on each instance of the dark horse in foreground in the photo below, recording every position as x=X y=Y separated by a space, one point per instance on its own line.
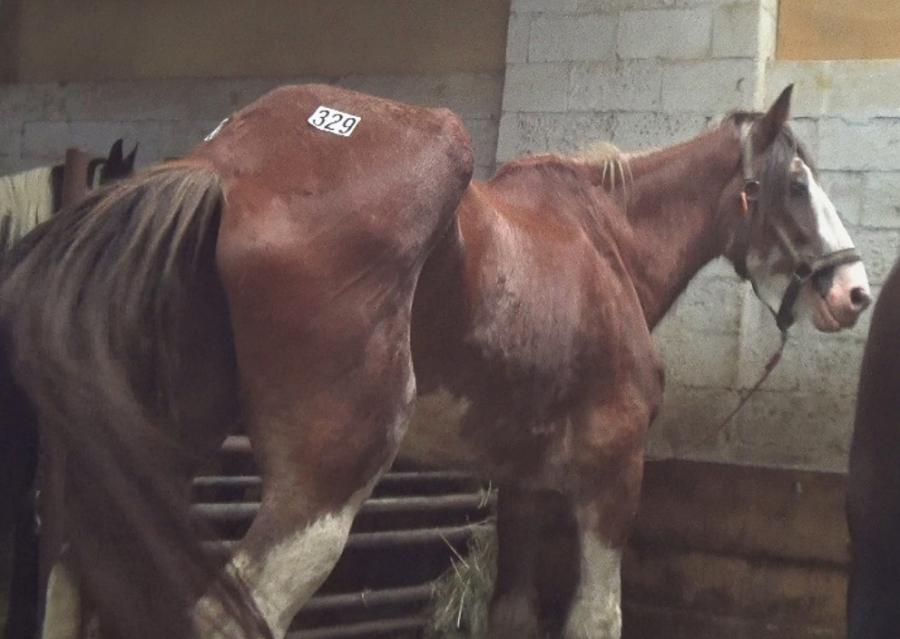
x=322 y=260
x=873 y=489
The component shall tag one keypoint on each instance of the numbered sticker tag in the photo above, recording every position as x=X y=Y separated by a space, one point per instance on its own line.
x=334 y=121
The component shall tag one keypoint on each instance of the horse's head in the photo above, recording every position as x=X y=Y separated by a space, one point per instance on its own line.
x=790 y=242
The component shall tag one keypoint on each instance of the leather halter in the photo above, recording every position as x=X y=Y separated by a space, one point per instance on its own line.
x=804 y=269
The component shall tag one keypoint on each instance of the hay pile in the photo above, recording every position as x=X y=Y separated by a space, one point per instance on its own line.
x=462 y=595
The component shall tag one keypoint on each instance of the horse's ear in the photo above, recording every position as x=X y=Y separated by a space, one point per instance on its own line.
x=115 y=153
x=129 y=160
x=770 y=125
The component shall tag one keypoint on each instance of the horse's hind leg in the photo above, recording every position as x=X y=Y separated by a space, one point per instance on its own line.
x=319 y=459
x=327 y=390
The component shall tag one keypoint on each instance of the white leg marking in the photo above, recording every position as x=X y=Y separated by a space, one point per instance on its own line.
x=62 y=613
x=596 y=612
x=282 y=580
x=289 y=574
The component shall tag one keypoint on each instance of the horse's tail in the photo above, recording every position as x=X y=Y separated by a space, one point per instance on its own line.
x=121 y=336
x=18 y=467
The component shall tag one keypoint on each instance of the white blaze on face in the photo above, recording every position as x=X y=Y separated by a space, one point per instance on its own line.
x=849 y=293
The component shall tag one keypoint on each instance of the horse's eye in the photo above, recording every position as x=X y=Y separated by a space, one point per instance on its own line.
x=799 y=188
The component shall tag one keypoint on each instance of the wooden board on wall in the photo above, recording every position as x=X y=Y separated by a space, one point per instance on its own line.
x=70 y=40
x=838 y=29
x=744 y=552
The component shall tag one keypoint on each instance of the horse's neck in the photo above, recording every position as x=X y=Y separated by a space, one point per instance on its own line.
x=673 y=205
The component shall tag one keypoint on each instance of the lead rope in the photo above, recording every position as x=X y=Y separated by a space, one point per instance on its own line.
x=748 y=393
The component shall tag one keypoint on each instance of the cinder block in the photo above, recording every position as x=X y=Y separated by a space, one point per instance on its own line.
x=483 y=173
x=619 y=5
x=867 y=145
x=484 y=140
x=700 y=360
x=510 y=140
x=574 y=37
x=768 y=29
x=808 y=430
x=10 y=165
x=811 y=363
x=640 y=131
x=616 y=86
x=528 y=133
x=670 y=34
x=737 y=30
x=709 y=306
x=846 y=191
x=807 y=131
x=518 y=34
x=138 y=100
x=712 y=87
x=43 y=101
x=536 y=87
x=10 y=137
x=158 y=140
x=687 y=425
x=470 y=95
x=849 y=88
x=573 y=132
x=549 y=6
x=881 y=200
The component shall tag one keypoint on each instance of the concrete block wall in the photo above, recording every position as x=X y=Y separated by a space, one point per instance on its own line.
x=639 y=73
x=168 y=117
x=645 y=73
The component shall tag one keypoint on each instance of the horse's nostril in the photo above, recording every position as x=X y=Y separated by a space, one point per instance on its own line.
x=860 y=298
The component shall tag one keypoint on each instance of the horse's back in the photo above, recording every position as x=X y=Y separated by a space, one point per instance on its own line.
x=874 y=476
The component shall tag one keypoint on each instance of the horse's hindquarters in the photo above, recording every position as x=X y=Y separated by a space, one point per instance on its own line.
x=319 y=252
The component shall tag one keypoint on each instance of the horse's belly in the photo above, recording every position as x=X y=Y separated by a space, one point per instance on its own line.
x=434 y=435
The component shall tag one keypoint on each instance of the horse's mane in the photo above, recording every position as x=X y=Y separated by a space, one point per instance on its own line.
x=614 y=165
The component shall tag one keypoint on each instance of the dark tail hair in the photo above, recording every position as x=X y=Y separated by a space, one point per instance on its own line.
x=121 y=337
x=18 y=466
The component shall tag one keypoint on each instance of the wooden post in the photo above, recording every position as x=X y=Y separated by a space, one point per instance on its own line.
x=52 y=462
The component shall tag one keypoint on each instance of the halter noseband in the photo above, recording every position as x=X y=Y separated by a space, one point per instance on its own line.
x=803 y=269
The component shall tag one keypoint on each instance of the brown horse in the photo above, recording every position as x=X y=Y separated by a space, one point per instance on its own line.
x=873 y=485
x=268 y=278
x=291 y=255
x=531 y=337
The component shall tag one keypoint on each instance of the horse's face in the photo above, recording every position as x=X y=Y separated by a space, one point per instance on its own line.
x=796 y=234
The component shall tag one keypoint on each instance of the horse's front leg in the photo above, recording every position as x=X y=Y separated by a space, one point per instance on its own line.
x=603 y=521
x=537 y=563
x=514 y=608
x=607 y=468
